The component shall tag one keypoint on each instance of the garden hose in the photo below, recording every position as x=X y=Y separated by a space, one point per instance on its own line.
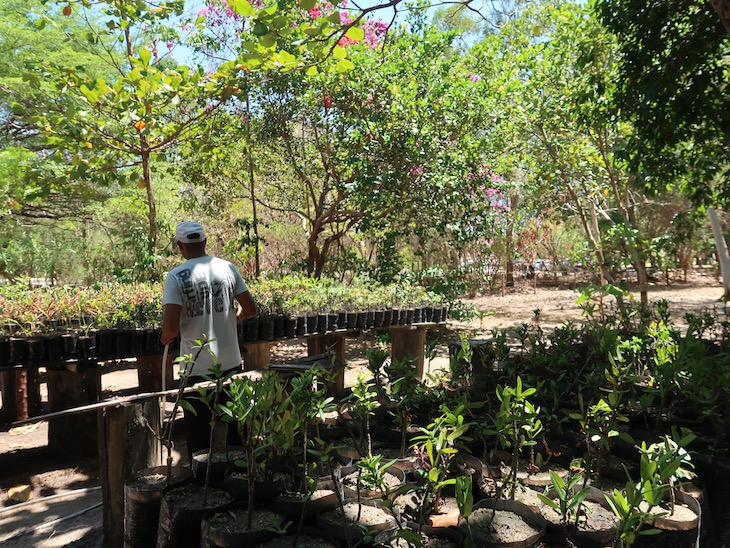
x=163 y=399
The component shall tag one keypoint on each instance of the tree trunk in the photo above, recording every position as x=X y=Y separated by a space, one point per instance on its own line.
x=722 y=7
x=722 y=252
x=596 y=238
x=252 y=189
x=151 y=207
x=510 y=266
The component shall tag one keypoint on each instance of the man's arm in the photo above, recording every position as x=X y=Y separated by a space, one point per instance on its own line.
x=248 y=307
x=170 y=322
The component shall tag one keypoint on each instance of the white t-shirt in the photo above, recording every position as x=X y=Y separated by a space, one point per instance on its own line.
x=206 y=288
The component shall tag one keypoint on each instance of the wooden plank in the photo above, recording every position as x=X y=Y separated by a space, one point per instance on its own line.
x=127 y=443
x=409 y=342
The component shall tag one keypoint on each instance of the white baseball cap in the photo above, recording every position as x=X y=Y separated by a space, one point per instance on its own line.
x=189 y=232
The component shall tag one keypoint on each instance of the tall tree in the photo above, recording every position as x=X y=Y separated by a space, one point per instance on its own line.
x=552 y=73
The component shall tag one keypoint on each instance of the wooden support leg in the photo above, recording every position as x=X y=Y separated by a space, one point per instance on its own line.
x=257 y=355
x=127 y=443
x=33 y=391
x=9 y=411
x=331 y=343
x=74 y=435
x=409 y=342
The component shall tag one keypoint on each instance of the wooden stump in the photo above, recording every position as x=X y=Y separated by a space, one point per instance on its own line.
x=409 y=342
x=127 y=443
x=257 y=355
x=73 y=386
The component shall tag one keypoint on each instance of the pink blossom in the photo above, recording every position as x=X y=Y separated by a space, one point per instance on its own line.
x=474 y=77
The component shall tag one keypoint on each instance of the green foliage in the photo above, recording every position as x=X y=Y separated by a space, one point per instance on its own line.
x=437 y=444
x=669 y=87
x=567 y=499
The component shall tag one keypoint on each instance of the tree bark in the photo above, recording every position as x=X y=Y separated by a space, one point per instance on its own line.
x=722 y=7
x=722 y=252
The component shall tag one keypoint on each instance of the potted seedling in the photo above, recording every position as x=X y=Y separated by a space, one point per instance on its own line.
x=254 y=406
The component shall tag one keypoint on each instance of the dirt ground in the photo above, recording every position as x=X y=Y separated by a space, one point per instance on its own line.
x=65 y=504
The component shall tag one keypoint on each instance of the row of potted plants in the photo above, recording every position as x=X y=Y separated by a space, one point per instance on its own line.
x=27 y=312
x=471 y=440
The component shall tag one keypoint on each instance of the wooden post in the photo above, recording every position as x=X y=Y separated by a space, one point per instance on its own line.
x=149 y=375
x=326 y=343
x=8 y=388
x=33 y=391
x=127 y=443
x=257 y=355
x=74 y=385
x=409 y=342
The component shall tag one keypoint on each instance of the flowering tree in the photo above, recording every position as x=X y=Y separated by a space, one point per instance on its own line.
x=357 y=152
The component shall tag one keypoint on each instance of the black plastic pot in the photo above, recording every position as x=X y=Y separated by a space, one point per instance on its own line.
x=266 y=328
x=142 y=497
x=70 y=343
x=34 y=351
x=181 y=515
x=351 y=320
x=322 y=322
x=251 y=330
x=138 y=341
x=417 y=315
x=378 y=318
x=301 y=328
x=87 y=347
x=17 y=351
x=361 y=320
x=53 y=349
x=279 y=326
x=290 y=327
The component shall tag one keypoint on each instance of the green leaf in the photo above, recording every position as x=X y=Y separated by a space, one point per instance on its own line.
x=145 y=55
x=339 y=52
x=548 y=501
x=242 y=7
x=344 y=65
x=307 y=4
x=259 y=29
x=355 y=33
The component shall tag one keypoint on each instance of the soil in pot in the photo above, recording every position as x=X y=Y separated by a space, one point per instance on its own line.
x=352 y=518
x=678 y=530
x=596 y=526
x=220 y=462
x=352 y=483
x=266 y=488
x=503 y=523
x=293 y=504
x=529 y=498
x=309 y=537
x=429 y=538
x=409 y=506
x=181 y=514
x=230 y=529
x=142 y=498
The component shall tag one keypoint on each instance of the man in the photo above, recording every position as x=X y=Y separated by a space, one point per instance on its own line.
x=199 y=300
